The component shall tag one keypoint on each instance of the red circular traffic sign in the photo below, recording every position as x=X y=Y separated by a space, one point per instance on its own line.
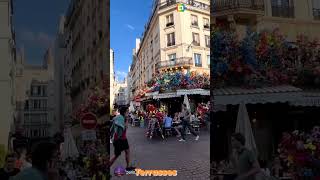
x=89 y=121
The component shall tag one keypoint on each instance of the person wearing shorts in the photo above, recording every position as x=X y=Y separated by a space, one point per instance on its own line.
x=120 y=142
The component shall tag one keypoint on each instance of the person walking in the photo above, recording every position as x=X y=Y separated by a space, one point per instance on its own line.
x=177 y=124
x=120 y=143
x=9 y=169
x=151 y=127
x=186 y=124
x=244 y=159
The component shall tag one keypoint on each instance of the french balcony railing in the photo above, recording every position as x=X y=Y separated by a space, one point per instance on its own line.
x=231 y=5
x=175 y=63
x=316 y=14
x=283 y=11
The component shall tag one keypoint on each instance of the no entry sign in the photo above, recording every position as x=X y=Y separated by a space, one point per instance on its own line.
x=89 y=121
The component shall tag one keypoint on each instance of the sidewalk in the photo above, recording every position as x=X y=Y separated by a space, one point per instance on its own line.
x=191 y=158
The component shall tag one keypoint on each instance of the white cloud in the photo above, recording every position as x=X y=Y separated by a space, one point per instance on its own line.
x=130 y=27
x=39 y=38
x=120 y=75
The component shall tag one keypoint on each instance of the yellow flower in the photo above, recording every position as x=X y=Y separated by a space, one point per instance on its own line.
x=310 y=146
x=290 y=159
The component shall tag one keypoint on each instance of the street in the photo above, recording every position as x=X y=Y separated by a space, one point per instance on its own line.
x=191 y=158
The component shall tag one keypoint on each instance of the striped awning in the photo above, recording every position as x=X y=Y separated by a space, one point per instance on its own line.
x=235 y=95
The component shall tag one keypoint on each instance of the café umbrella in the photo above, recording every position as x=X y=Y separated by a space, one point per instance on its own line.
x=69 y=148
x=244 y=127
x=186 y=101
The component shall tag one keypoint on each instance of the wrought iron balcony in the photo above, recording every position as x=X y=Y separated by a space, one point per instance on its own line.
x=192 y=3
x=167 y=4
x=178 y=62
x=234 y=6
x=316 y=14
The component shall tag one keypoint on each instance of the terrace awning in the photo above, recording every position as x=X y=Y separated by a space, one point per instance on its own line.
x=179 y=93
x=308 y=99
x=165 y=95
x=275 y=94
x=203 y=92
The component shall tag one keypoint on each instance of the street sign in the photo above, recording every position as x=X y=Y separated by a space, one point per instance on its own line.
x=89 y=121
x=89 y=135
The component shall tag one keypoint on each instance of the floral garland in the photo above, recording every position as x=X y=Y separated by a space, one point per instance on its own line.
x=264 y=59
x=171 y=81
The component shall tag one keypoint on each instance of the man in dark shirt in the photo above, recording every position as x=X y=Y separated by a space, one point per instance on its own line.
x=9 y=170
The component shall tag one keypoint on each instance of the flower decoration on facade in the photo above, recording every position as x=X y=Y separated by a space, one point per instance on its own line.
x=171 y=81
x=299 y=149
x=264 y=59
x=97 y=102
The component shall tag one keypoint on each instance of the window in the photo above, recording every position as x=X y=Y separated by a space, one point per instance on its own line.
x=44 y=104
x=171 y=39
x=44 y=90
x=36 y=104
x=316 y=9
x=172 y=57
x=206 y=23
x=208 y=60
x=207 y=38
x=26 y=105
x=194 y=20
x=283 y=8
x=197 y=60
x=33 y=90
x=170 y=21
x=195 y=39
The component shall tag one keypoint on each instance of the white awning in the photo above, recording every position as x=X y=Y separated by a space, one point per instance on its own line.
x=234 y=96
x=165 y=95
x=311 y=99
x=203 y=92
x=152 y=93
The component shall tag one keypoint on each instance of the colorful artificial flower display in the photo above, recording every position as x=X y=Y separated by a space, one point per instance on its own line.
x=171 y=81
x=300 y=150
x=261 y=59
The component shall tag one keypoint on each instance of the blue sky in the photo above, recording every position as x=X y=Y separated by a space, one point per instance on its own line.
x=36 y=25
x=126 y=24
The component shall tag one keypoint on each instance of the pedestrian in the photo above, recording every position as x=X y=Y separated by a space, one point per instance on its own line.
x=119 y=129
x=177 y=125
x=44 y=163
x=152 y=123
x=186 y=124
x=244 y=159
x=9 y=169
